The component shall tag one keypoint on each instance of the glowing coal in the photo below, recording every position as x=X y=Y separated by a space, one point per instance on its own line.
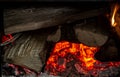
x=6 y=38
x=113 y=22
x=81 y=55
x=17 y=71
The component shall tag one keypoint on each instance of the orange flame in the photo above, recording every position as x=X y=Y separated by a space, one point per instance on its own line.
x=64 y=52
x=86 y=53
x=113 y=22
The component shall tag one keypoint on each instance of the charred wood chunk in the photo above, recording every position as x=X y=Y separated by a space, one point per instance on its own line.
x=21 y=19
x=91 y=33
x=28 y=51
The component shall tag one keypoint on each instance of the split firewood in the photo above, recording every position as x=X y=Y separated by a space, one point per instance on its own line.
x=18 y=20
x=91 y=34
x=28 y=51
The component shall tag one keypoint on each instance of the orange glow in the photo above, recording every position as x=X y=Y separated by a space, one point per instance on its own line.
x=17 y=71
x=113 y=22
x=64 y=52
x=87 y=56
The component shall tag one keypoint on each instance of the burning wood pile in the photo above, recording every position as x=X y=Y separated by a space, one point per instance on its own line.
x=67 y=58
x=81 y=47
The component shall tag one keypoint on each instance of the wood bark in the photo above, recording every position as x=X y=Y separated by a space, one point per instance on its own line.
x=28 y=51
x=18 y=20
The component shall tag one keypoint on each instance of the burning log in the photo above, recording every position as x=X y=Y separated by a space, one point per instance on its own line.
x=28 y=51
x=71 y=59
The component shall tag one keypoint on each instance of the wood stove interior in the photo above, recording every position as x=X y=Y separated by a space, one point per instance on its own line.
x=31 y=33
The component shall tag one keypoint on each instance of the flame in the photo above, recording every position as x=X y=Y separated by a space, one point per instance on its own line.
x=113 y=22
x=64 y=52
x=87 y=56
x=81 y=56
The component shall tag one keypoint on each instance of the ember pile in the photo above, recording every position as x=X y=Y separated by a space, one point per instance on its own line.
x=15 y=70
x=67 y=57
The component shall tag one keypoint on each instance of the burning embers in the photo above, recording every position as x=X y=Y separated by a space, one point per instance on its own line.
x=81 y=57
x=15 y=70
x=6 y=39
x=65 y=52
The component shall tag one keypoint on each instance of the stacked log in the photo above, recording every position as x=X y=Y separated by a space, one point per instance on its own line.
x=28 y=51
x=21 y=19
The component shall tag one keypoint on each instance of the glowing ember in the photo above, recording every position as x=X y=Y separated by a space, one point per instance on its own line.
x=7 y=38
x=83 y=56
x=17 y=71
x=113 y=23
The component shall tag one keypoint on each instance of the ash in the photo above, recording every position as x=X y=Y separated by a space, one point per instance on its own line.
x=70 y=72
x=110 y=72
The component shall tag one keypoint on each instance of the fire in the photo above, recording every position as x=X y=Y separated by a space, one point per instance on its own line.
x=83 y=53
x=19 y=72
x=7 y=38
x=113 y=22
x=87 y=56
x=65 y=52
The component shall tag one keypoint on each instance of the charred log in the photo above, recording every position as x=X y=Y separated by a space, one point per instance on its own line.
x=28 y=51
x=17 y=20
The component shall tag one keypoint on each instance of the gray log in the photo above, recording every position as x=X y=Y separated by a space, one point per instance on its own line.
x=91 y=34
x=18 y=20
x=28 y=51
